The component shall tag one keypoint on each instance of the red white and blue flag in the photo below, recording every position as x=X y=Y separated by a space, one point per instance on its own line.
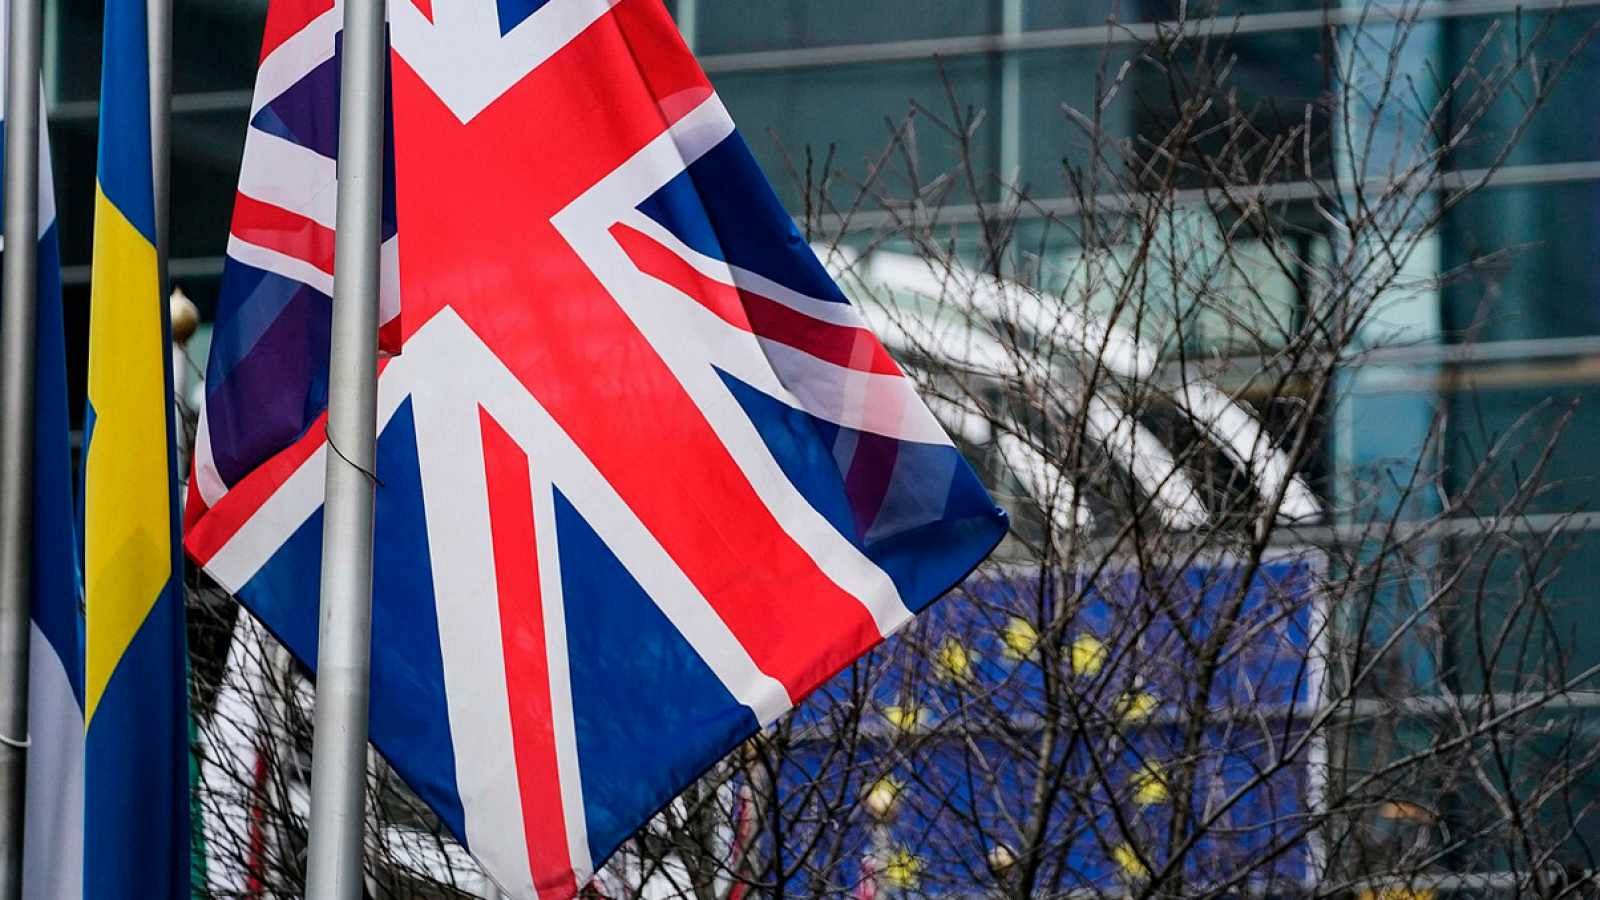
x=645 y=479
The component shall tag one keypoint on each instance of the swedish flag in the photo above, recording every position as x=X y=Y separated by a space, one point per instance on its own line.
x=136 y=780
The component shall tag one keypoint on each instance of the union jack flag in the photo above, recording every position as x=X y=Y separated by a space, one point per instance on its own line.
x=645 y=479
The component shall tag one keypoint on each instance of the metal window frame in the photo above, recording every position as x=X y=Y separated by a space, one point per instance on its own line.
x=1526 y=175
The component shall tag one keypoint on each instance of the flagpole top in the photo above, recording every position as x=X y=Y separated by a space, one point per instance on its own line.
x=185 y=316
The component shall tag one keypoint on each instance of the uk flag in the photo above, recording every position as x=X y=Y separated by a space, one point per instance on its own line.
x=645 y=479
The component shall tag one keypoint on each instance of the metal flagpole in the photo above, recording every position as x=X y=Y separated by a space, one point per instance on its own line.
x=158 y=43
x=344 y=649
x=18 y=317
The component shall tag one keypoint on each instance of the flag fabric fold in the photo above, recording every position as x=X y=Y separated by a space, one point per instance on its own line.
x=645 y=476
x=53 y=828
x=137 y=809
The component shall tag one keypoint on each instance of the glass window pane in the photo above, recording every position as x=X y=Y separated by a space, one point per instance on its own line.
x=72 y=146
x=1519 y=432
x=1060 y=89
x=1251 y=295
x=1274 y=78
x=727 y=26
x=215 y=44
x=73 y=46
x=206 y=148
x=853 y=110
x=1490 y=46
x=1042 y=14
x=1430 y=778
x=1504 y=416
x=1532 y=257
x=1521 y=619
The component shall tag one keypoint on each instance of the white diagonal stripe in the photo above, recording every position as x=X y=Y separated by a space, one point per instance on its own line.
x=455 y=497
x=462 y=56
x=661 y=313
x=207 y=478
x=293 y=59
x=563 y=730
x=389 y=280
x=270 y=525
x=280 y=263
x=829 y=311
x=278 y=171
x=676 y=596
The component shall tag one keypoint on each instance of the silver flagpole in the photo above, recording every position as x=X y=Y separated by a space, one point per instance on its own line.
x=344 y=649
x=158 y=43
x=18 y=318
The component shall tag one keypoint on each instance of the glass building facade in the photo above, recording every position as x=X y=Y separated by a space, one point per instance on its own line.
x=826 y=81
x=1509 y=341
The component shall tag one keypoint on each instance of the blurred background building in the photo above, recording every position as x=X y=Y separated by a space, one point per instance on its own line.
x=1513 y=333
x=829 y=80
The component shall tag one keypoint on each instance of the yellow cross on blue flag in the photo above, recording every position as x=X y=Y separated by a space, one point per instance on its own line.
x=135 y=703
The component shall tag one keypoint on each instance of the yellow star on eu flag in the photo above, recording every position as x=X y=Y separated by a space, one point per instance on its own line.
x=1397 y=893
x=1150 y=785
x=1128 y=861
x=1019 y=639
x=955 y=660
x=902 y=870
x=905 y=716
x=1088 y=655
x=1135 y=706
